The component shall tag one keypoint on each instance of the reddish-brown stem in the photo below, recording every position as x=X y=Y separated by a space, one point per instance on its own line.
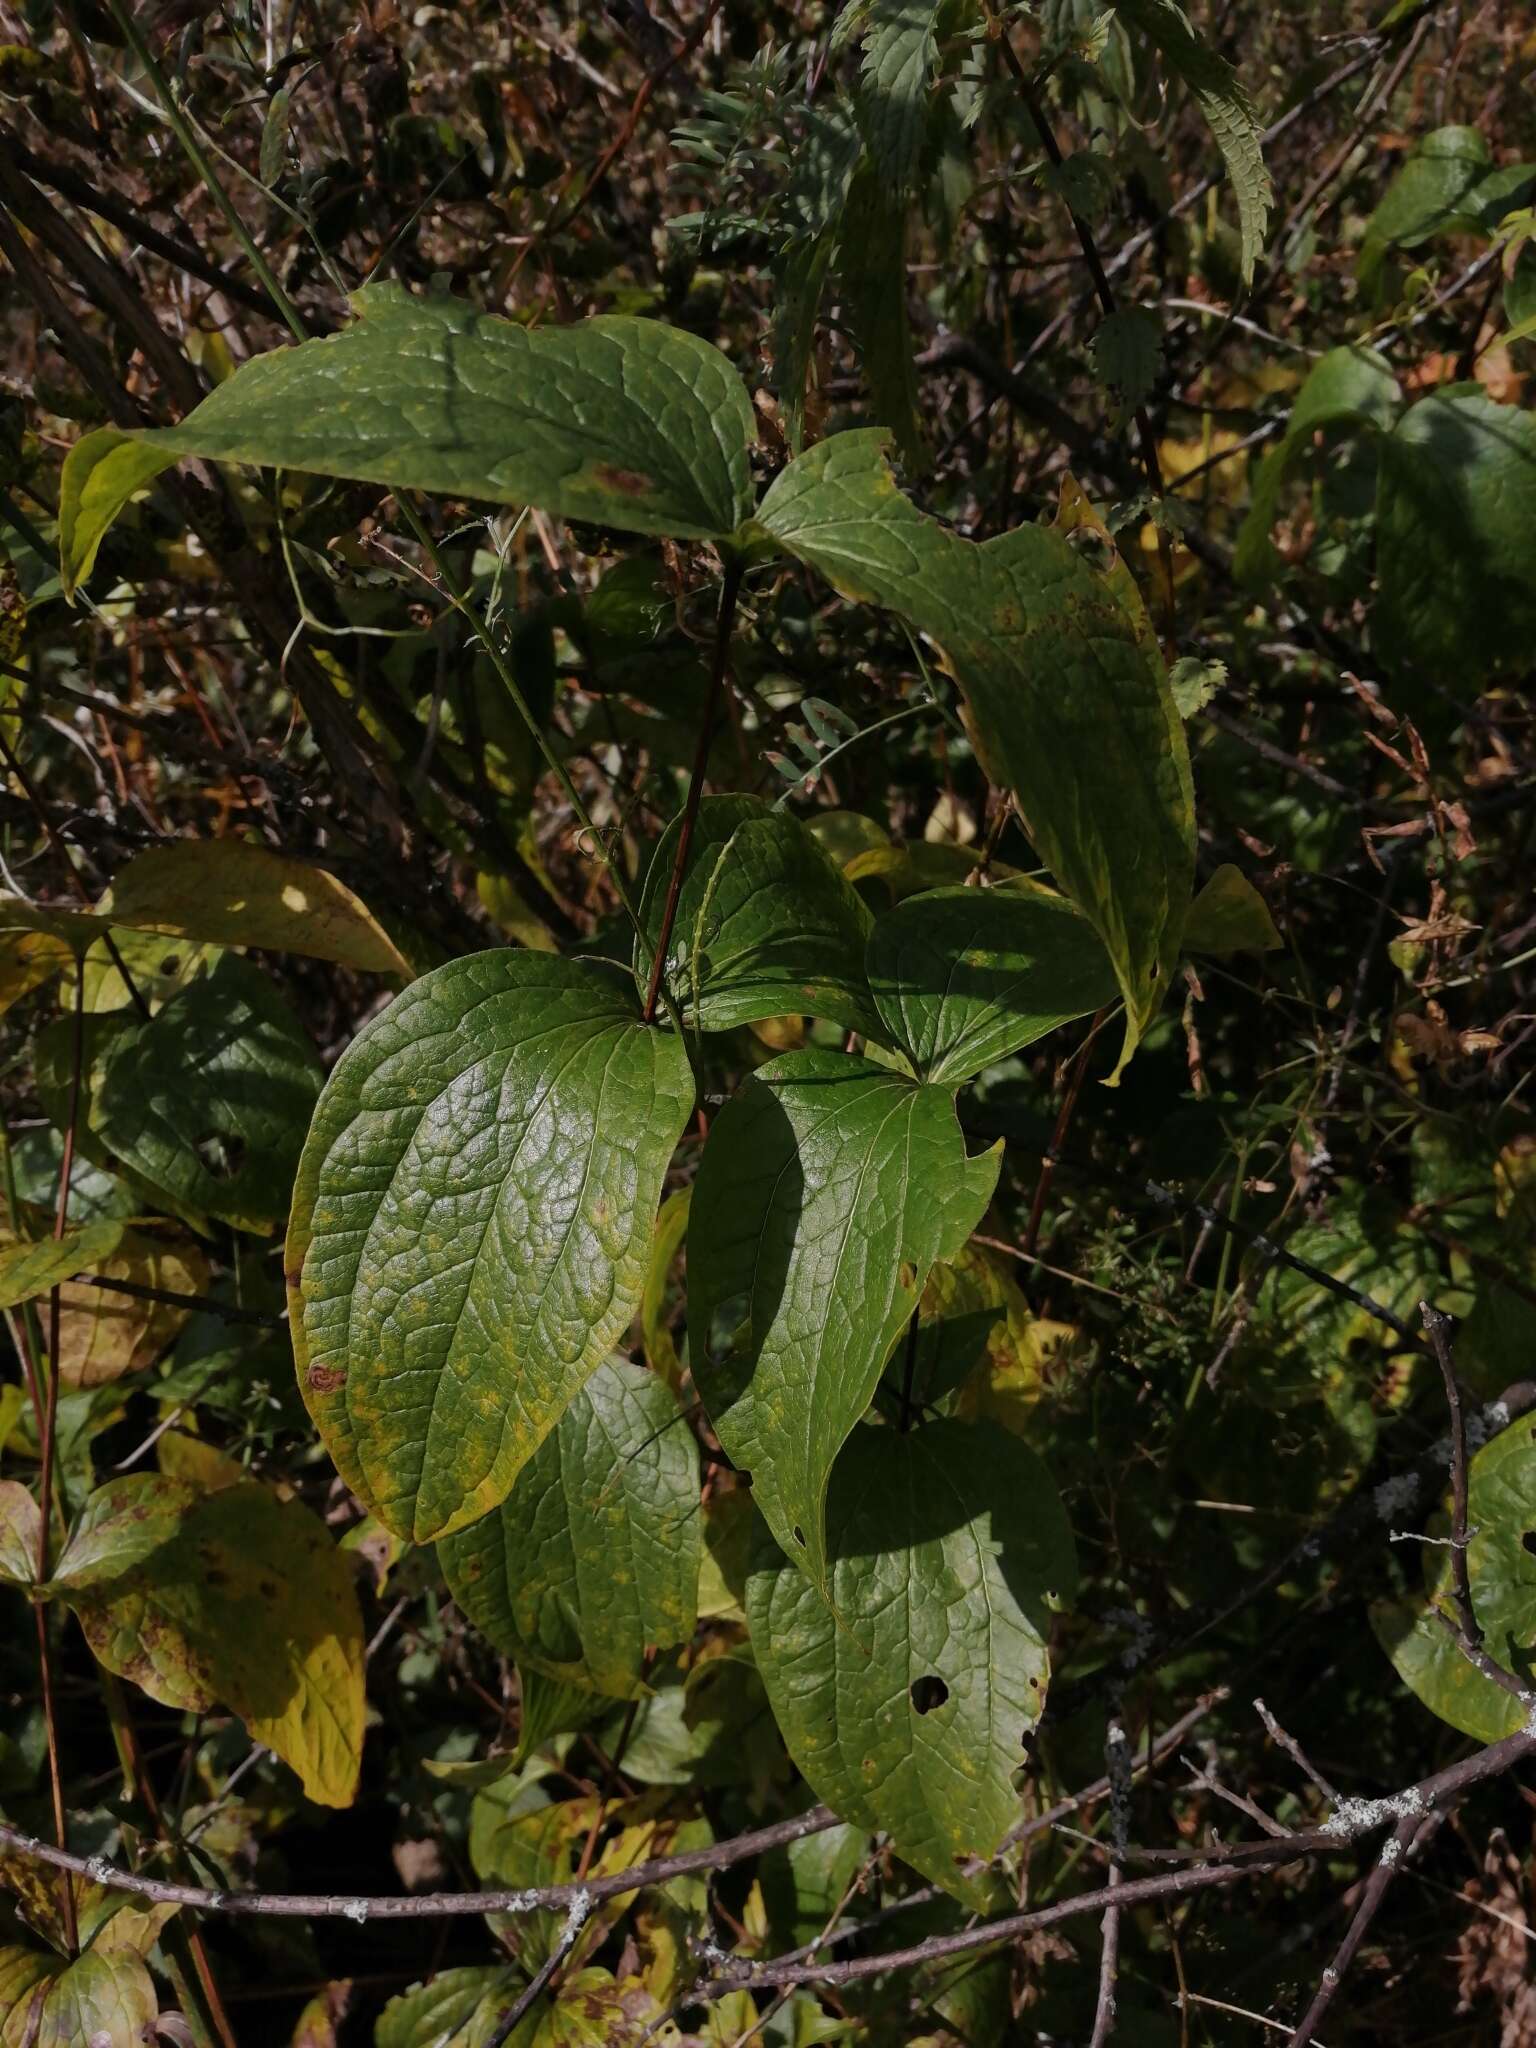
x=46 y=1454
x=1059 y=1135
x=728 y=595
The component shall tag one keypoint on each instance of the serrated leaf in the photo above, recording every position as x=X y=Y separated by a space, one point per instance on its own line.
x=872 y=269
x=1351 y=386
x=1225 y=103
x=1230 y=916
x=906 y=1707
x=471 y=1222
x=594 y=1554
x=49 y=2002
x=1127 y=351
x=28 y=1269
x=827 y=1189
x=208 y=1099
x=895 y=79
x=626 y=422
x=801 y=272
x=232 y=893
x=1501 y=1568
x=766 y=925
x=247 y=1604
x=1065 y=702
x=964 y=977
x=1456 y=527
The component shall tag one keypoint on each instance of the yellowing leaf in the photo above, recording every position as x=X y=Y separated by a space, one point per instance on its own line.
x=29 y=1269
x=97 y=2001
x=666 y=1243
x=103 y=1334
x=249 y=1605
x=233 y=893
x=20 y=1525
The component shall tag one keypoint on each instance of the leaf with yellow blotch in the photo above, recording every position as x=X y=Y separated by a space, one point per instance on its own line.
x=27 y=960
x=233 y=893
x=29 y=1268
x=19 y=1527
x=247 y=1604
x=104 y=1335
x=49 y=2002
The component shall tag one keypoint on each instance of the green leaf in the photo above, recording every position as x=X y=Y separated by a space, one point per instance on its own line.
x=895 y=80
x=626 y=422
x=232 y=893
x=872 y=269
x=464 y=2008
x=471 y=1223
x=594 y=1554
x=766 y=924
x=20 y=1527
x=1065 y=702
x=1430 y=195
x=99 y=1998
x=963 y=977
x=1230 y=916
x=101 y=473
x=1456 y=530
x=827 y=1189
x=1501 y=1514
x=208 y=1099
x=249 y=1604
x=1352 y=387
x=32 y=1268
x=120 y=1525
x=801 y=273
x=1225 y=103
x=906 y=1707
x=1127 y=351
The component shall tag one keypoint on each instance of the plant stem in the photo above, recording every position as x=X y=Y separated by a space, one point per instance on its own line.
x=1059 y=1135
x=729 y=592
x=187 y=136
x=46 y=1451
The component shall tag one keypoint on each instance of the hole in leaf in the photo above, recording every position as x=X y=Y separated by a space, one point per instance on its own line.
x=171 y=964
x=1528 y=1541
x=799 y=1535
x=928 y=1692
x=221 y=1152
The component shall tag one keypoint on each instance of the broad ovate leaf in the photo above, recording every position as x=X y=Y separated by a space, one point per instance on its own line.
x=207 y=1100
x=594 y=1554
x=1456 y=528
x=766 y=924
x=963 y=977
x=1230 y=916
x=120 y=1525
x=828 y=1188
x=1501 y=1567
x=627 y=422
x=100 y=2000
x=20 y=1527
x=233 y=893
x=246 y=1603
x=1067 y=704
x=1350 y=387
x=905 y=1703
x=32 y=1267
x=105 y=1333
x=471 y=1224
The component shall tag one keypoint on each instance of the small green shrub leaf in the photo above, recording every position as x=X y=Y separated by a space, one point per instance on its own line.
x=1066 y=704
x=594 y=1554
x=471 y=1224
x=628 y=422
x=827 y=1189
x=766 y=924
x=963 y=977
x=906 y=1708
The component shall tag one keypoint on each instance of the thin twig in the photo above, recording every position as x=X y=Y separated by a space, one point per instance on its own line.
x=1059 y=1135
x=1377 y=1884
